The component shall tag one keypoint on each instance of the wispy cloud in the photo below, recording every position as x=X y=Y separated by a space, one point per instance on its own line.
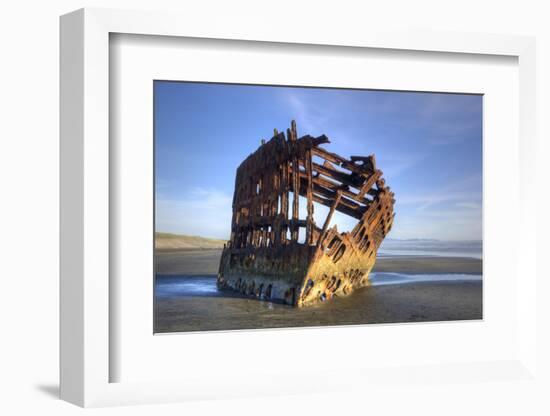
x=449 y=212
x=310 y=118
x=444 y=225
x=439 y=119
x=468 y=205
x=426 y=200
x=204 y=212
x=395 y=164
x=424 y=143
x=449 y=121
x=465 y=192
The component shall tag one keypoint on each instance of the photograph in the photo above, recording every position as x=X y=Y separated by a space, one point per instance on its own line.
x=293 y=206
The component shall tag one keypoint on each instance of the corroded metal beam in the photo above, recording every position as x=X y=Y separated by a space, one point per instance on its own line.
x=266 y=256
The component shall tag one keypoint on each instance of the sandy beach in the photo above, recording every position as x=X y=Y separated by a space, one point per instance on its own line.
x=205 y=262
x=206 y=309
x=417 y=302
x=187 y=261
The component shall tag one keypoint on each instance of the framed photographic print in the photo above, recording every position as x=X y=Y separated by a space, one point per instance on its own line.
x=282 y=212
x=286 y=232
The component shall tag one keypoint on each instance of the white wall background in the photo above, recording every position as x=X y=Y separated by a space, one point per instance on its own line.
x=29 y=205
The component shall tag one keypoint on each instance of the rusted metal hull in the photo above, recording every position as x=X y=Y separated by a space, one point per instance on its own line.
x=264 y=257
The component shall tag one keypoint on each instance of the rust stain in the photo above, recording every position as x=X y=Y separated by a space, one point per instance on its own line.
x=265 y=257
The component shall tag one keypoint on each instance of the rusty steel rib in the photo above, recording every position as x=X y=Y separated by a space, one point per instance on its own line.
x=266 y=256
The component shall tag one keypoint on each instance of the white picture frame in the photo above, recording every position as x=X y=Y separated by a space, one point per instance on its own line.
x=86 y=355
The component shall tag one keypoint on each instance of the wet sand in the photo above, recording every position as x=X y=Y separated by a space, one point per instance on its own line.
x=415 y=302
x=392 y=303
x=428 y=265
x=187 y=261
x=205 y=262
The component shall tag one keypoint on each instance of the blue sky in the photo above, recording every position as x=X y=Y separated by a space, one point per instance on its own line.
x=428 y=145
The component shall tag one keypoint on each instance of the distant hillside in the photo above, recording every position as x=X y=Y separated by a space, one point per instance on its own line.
x=177 y=241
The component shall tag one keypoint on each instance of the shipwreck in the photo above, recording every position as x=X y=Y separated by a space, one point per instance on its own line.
x=275 y=255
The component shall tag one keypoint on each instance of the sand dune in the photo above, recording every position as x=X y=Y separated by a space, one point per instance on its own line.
x=167 y=241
